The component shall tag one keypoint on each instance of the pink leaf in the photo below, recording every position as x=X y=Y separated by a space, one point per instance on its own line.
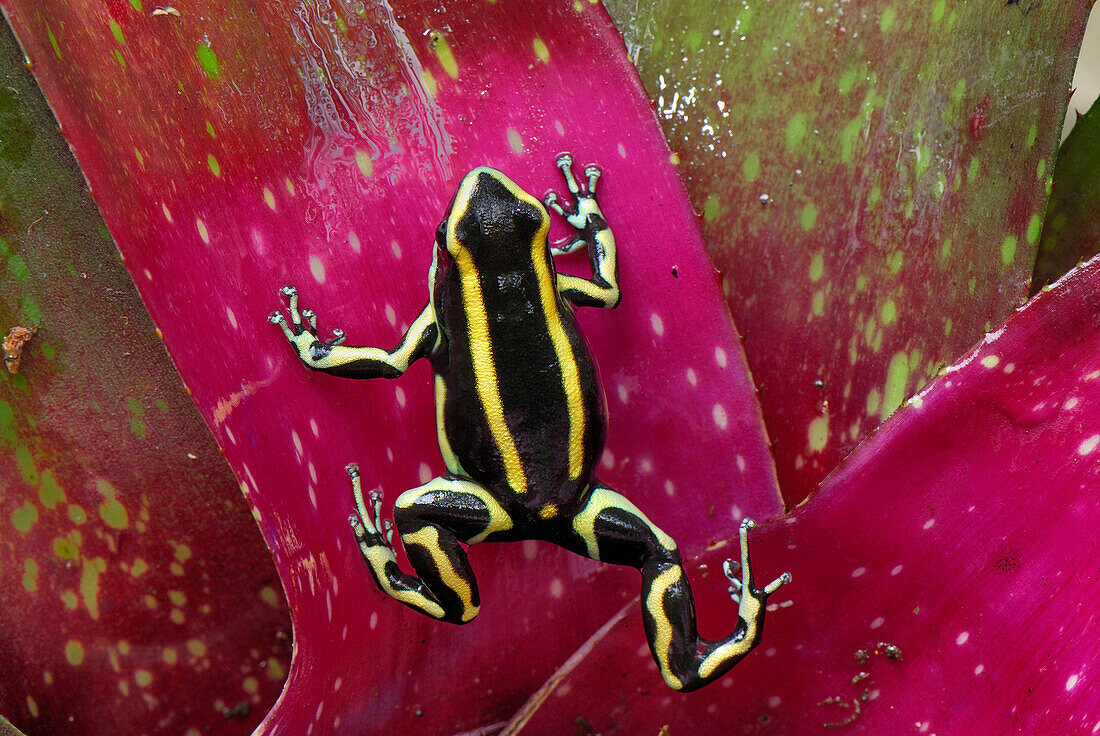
x=945 y=576
x=237 y=147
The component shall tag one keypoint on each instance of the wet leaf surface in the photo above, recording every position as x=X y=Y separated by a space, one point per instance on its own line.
x=945 y=576
x=872 y=179
x=237 y=147
x=136 y=595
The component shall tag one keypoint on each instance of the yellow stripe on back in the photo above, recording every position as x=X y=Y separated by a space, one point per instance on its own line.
x=570 y=378
x=481 y=346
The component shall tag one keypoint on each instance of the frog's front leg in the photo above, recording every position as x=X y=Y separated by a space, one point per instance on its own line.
x=584 y=215
x=351 y=361
x=612 y=529
x=431 y=520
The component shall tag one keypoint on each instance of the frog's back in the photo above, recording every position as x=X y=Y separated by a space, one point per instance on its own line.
x=521 y=409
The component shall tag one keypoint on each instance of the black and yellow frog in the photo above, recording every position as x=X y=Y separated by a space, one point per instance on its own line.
x=521 y=422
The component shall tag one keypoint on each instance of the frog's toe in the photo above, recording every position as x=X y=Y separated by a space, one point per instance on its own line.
x=592 y=173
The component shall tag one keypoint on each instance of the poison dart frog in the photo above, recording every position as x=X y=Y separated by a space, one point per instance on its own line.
x=521 y=422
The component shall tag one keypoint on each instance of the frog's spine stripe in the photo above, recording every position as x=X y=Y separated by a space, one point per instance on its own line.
x=570 y=378
x=427 y=538
x=481 y=347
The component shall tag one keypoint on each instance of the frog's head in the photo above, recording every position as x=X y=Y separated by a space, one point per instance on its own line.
x=492 y=224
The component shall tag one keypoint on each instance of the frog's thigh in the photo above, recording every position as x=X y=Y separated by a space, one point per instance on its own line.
x=432 y=521
x=614 y=530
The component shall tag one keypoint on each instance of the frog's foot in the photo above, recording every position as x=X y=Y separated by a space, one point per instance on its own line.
x=301 y=330
x=375 y=538
x=584 y=212
x=750 y=599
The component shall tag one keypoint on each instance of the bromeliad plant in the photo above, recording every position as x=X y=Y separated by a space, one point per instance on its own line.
x=234 y=148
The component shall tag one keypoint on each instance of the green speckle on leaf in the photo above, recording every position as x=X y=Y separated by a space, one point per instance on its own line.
x=1032 y=135
x=796 y=130
x=817 y=266
x=818 y=303
x=208 y=59
x=712 y=208
x=1008 y=249
x=118 y=57
x=30 y=575
x=24 y=517
x=751 y=168
x=1040 y=168
x=32 y=313
x=886 y=20
x=874 y=195
x=8 y=434
x=889 y=312
x=1034 y=228
x=215 y=167
x=25 y=463
x=17 y=267
x=162 y=406
x=972 y=170
x=874 y=400
x=808 y=216
x=446 y=56
x=693 y=39
x=138 y=428
x=541 y=51
x=945 y=249
x=897 y=376
x=136 y=5
x=818 y=434
x=938 y=9
x=74 y=652
x=210 y=129
x=116 y=31
x=49 y=492
x=134 y=407
x=948 y=325
x=847 y=81
x=53 y=42
x=111 y=511
x=895 y=260
x=958 y=90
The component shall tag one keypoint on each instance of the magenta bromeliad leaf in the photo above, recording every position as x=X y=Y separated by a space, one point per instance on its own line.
x=236 y=147
x=944 y=575
x=872 y=179
x=1071 y=232
x=136 y=594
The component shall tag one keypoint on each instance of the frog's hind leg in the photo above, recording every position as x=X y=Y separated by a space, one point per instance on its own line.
x=613 y=530
x=432 y=520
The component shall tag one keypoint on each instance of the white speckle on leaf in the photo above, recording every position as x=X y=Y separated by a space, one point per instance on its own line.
x=720 y=357
x=556 y=588
x=1071 y=402
x=878 y=622
x=657 y=324
x=229 y=315
x=1071 y=682
x=1088 y=445
x=670 y=488
x=391 y=316
x=399 y=394
x=353 y=241
x=897 y=569
x=859 y=572
x=691 y=377
x=425 y=473
x=297 y=443
x=929 y=524
x=622 y=392
x=203 y=232
x=396 y=248
x=530 y=549
x=740 y=461
x=962 y=638
x=979 y=669
x=317 y=268
x=720 y=417
x=312 y=471
x=314 y=428
x=990 y=361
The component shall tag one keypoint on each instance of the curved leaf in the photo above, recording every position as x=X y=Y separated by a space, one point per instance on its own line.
x=135 y=594
x=236 y=147
x=944 y=576
x=871 y=178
